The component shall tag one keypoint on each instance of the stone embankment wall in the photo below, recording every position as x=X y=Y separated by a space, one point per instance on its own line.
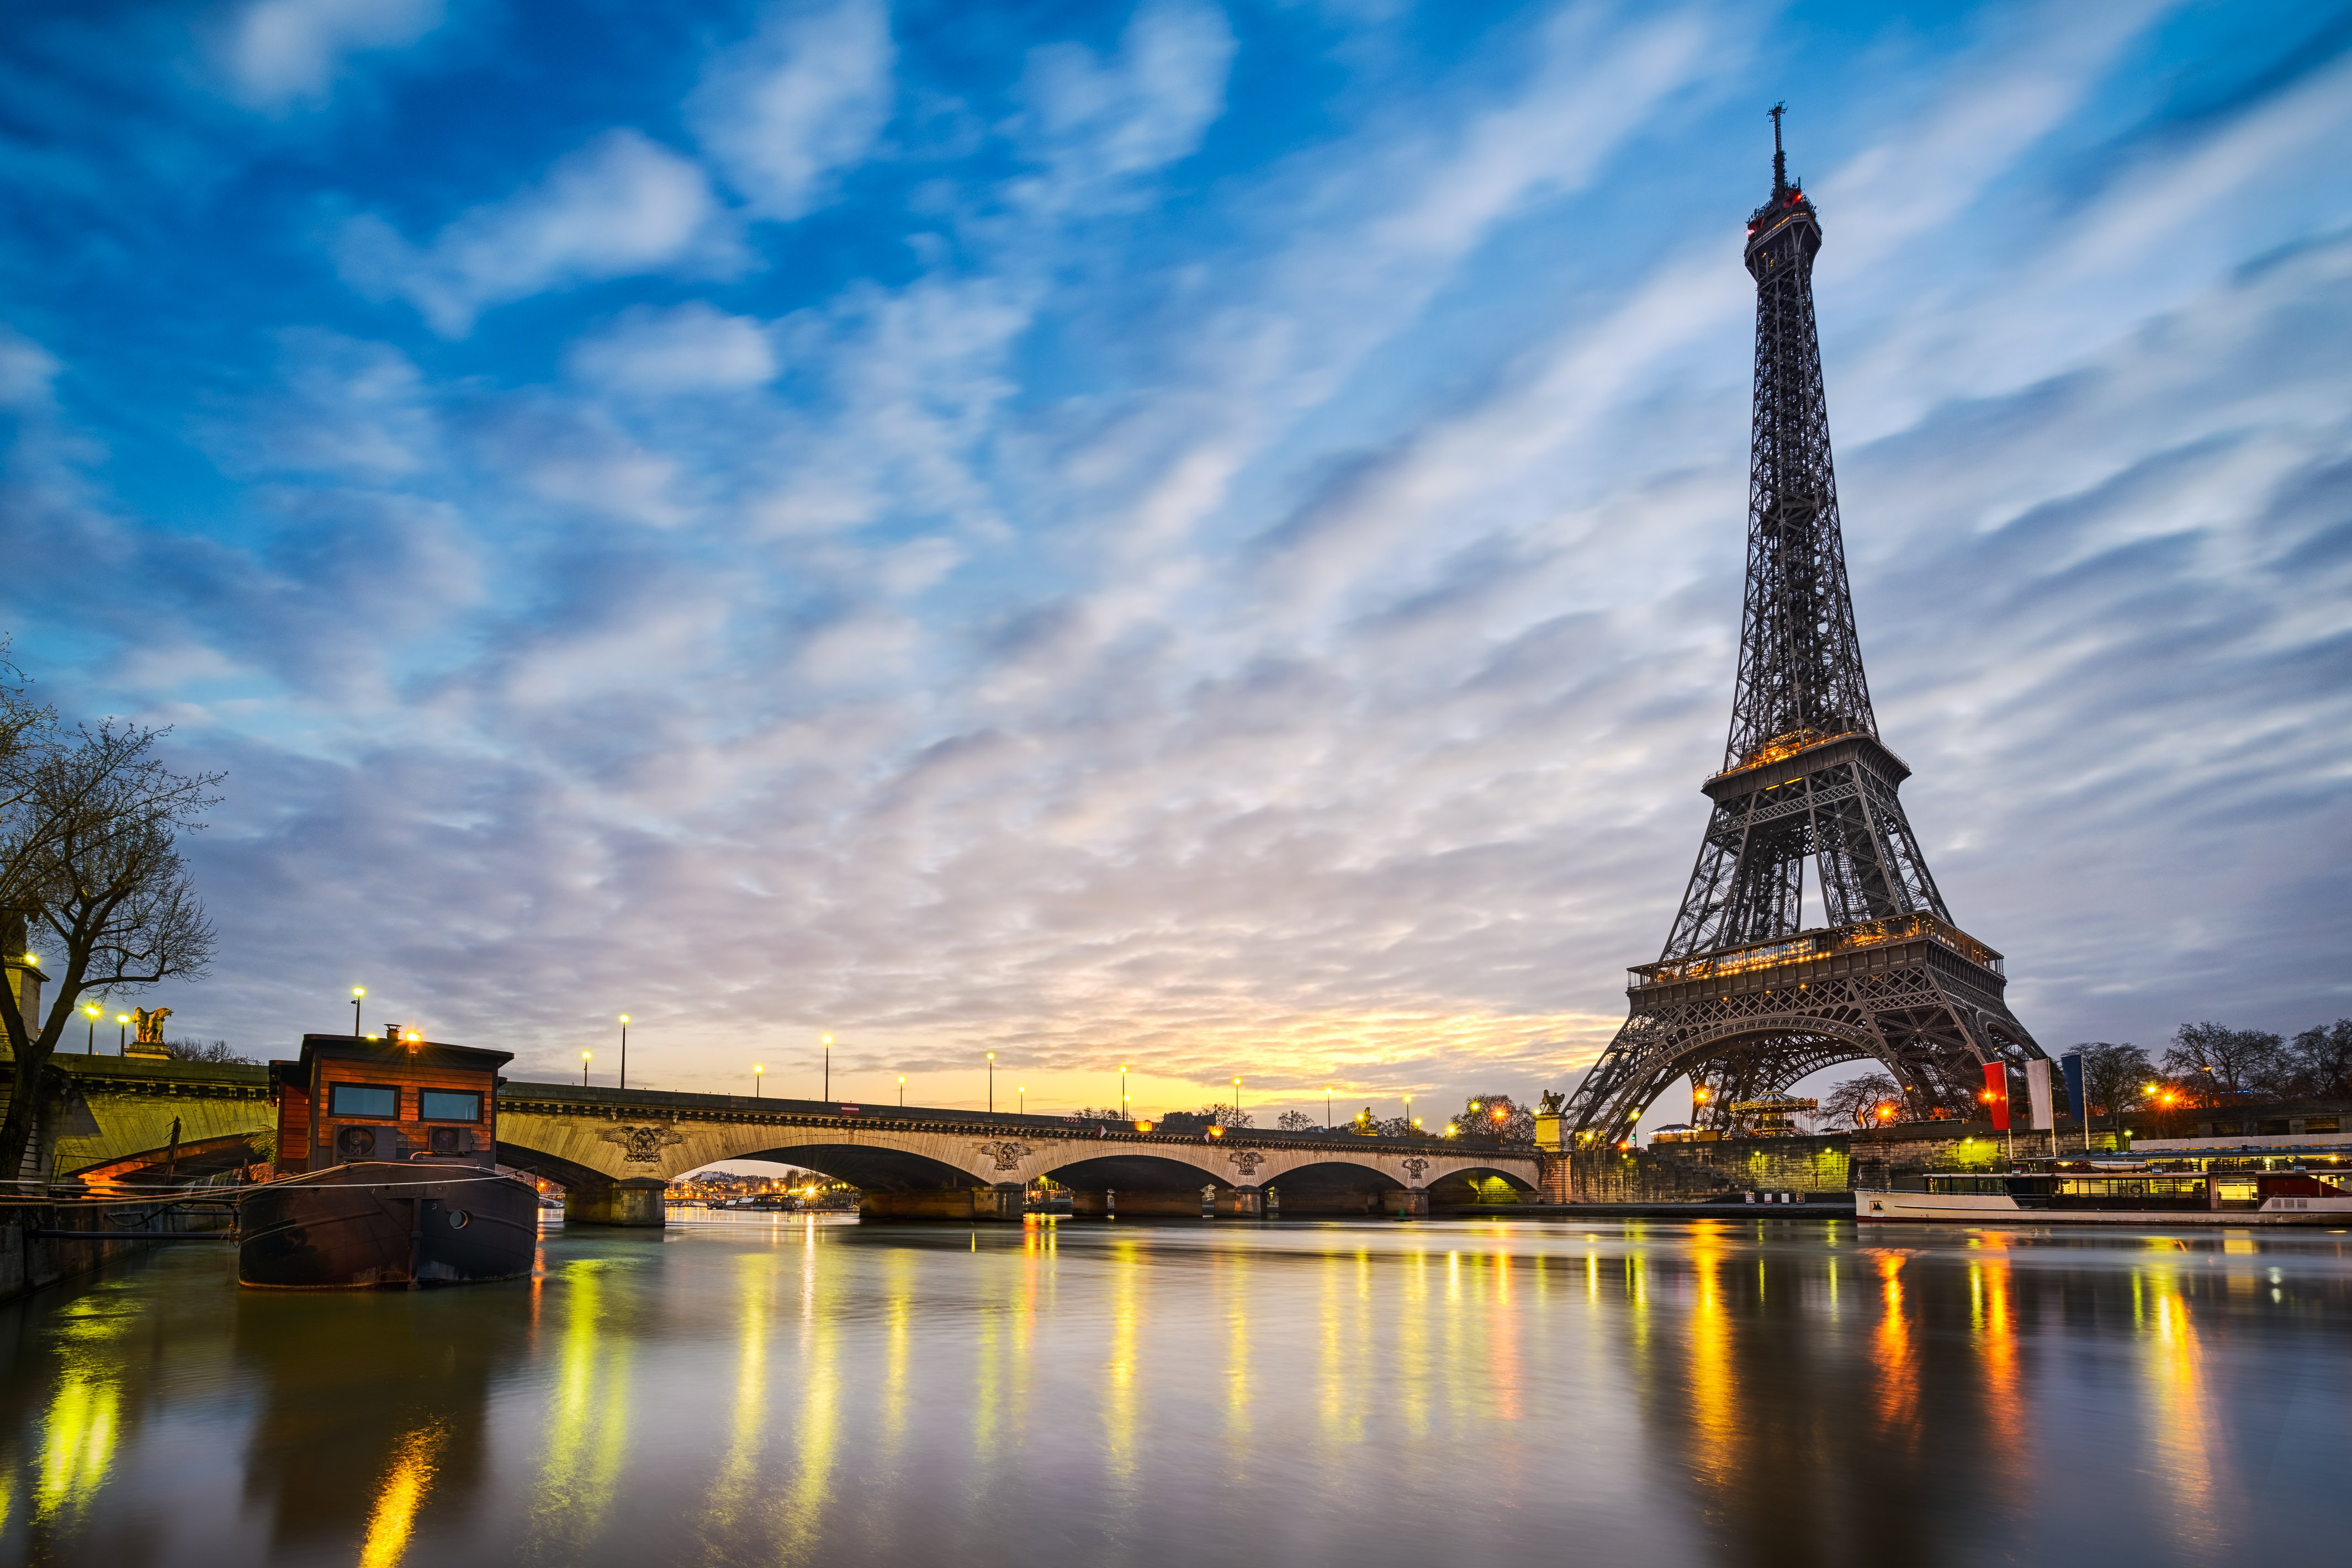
x=28 y=1261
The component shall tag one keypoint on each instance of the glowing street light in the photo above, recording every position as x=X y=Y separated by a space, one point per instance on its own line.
x=1327 y=1108
x=359 y=993
x=991 y=1083
x=1124 y=1113
x=1237 y=1102
x=828 y=1069
x=1024 y=1092
x=625 y=1050
x=121 y=1032
x=756 y=1070
x=90 y=1010
x=583 y=1069
x=902 y=1091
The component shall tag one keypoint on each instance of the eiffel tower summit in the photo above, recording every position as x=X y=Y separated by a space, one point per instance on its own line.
x=1747 y=998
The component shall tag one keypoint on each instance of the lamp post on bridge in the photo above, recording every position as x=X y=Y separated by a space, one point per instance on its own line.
x=1126 y=1113
x=121 y=1032
x=902 y=1091
x=1327 y=1108
x=583 y=1069
x=91 y=1010
x=1024 y=1092
x=828 y=1069
x=992 y=1084
x=1237 y=1102
x=625 y=1050
x=756 y=1070
x=359 y=994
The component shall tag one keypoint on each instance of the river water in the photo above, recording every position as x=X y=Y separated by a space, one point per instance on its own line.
x=786 y=1391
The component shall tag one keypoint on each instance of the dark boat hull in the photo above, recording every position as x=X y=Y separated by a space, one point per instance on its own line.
x=383 y=1224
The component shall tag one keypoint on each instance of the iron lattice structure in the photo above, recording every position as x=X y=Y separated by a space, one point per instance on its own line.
x=1745 y=999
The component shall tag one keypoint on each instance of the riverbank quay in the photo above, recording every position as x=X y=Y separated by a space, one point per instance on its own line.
x=1814 y=1206
x=44 y=1241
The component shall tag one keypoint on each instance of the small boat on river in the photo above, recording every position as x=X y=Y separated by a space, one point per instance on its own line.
x=387 y=1170
x=2250 y=1187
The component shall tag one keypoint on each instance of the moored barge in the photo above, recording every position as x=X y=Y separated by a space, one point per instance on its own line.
x=387 y=1170
x=2269 y=1187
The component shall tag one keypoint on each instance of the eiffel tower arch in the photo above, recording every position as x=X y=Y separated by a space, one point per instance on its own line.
x=1746 y=999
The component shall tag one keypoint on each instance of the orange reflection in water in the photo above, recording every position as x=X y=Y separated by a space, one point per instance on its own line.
x=1895 y=1358
x=402 y=1492
x=2187 y=1439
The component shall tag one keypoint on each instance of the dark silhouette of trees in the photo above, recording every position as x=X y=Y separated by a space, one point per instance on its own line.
x=91 y=881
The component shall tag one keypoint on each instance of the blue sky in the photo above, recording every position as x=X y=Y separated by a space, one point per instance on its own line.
x=1201 y=536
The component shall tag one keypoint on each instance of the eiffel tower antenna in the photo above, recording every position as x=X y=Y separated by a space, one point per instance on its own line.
x=1746 y=999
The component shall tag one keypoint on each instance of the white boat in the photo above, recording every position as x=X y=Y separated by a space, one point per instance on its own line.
x=2206 y=1190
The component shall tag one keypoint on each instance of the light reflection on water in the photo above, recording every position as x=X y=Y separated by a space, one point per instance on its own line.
x=795 y=1392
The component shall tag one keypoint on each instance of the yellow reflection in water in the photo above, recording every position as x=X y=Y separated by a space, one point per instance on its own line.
x=1234 y=1279
x=587 y=1418
x=85 y=1414
x=817 y=1432
x=2187 y=1439
x=1126 y=1322
x=1414 y=1374
x=1713 y=1389
x=402 y=1492
x=897 y=1313
x=1898 y=1375
x=734 y=1485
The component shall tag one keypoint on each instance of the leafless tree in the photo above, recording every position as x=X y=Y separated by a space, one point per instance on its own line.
x=1860 y=1100
x=2222 y=1061
x=214 y=1051
x=2319 y=1062
x=2114 y=1076
x=91 y=873
x=1297 y=1121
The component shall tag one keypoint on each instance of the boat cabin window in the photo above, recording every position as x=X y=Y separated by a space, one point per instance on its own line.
x=363 y=1100
x=447 y=1105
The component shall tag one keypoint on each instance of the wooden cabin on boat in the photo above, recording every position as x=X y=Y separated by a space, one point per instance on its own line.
x=352 y=1098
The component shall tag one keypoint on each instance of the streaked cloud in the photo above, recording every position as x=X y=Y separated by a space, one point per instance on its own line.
x=619 y=206
x=277 y=53
x=803 y=99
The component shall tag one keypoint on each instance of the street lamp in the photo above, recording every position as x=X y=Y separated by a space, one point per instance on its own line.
x=1327 y=1108
x=1024 y=1092
x=991 y=1083
x=756 y=1070
x=1237 y=1102
x=828 y=1069
x=121 y=1032
x=1124 y=1114
x=583 y=1069
x=625 y=1050
x=358 y=994
x=1408 y=1113
x=902 y=1091
x=91 y=1010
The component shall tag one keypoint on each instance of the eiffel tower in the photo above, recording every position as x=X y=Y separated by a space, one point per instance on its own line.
x=1746 y=999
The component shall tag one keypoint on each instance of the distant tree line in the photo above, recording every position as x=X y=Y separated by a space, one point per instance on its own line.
x=2205 y=1065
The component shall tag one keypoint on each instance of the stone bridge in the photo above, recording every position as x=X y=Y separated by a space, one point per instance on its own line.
x=614 y=1152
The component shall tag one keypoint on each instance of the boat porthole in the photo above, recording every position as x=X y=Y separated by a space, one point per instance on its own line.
x=459 y=1219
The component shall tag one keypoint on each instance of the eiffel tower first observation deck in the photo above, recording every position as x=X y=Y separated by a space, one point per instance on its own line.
x=1746 y=999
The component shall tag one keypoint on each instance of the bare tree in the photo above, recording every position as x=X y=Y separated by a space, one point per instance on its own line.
x=2222 y=1061
x=1871 y=1100
x=89 y=862
x=214 y=1051
x=1496 y=1118
x=2320 y=1061
x=1297 y=1121
x=2114 y=1076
